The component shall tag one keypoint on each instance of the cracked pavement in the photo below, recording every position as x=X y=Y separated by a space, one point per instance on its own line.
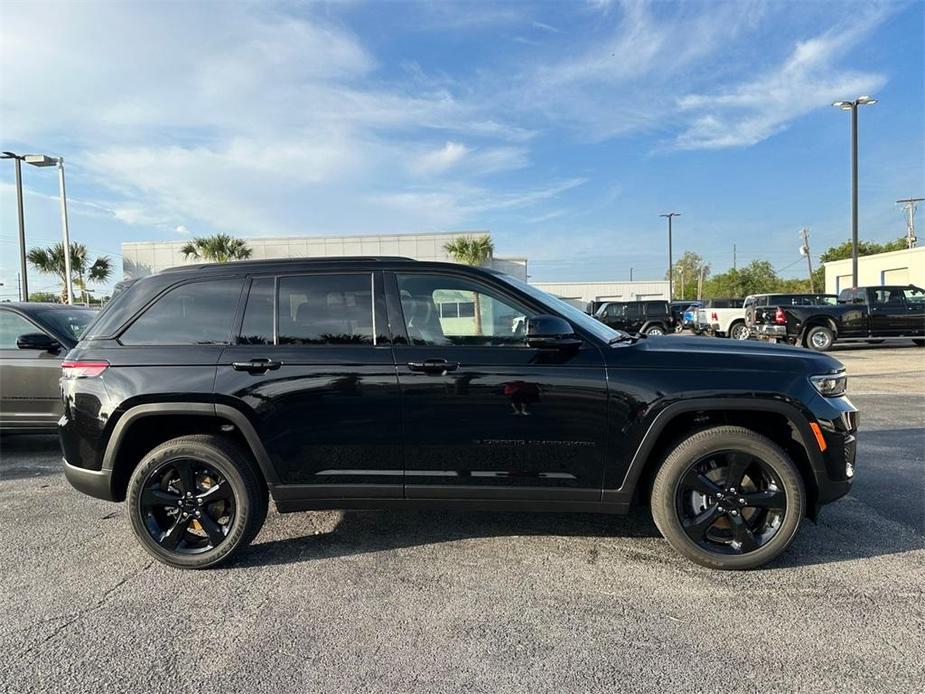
x=480 y=602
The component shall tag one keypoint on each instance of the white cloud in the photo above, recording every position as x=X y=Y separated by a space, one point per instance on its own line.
x=440 y=160
x=758 y=108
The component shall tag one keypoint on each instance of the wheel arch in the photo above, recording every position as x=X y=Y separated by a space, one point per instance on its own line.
x=142 y=427
x=771 y=418
x=813 y=321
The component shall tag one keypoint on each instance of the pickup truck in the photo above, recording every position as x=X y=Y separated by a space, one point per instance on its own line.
x=722 y=318
x=761 y=310
x=862 y=314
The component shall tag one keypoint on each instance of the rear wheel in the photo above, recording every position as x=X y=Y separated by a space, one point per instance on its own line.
x=655 y=330
x=728 y=498
x=194 y=501
x=820 y=338
x=739 y=331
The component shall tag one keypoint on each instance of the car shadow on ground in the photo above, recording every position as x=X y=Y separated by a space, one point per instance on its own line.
x=363 y=532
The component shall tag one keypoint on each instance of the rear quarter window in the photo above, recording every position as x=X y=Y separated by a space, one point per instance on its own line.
x=195 y=313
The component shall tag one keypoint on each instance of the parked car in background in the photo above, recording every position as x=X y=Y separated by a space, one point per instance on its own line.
x=388 y=383
x=34 y=337
x=677 y=313
x=761 y=309
x=722 y=318
x=689 y=316
x=645 y=317
x=863 y=314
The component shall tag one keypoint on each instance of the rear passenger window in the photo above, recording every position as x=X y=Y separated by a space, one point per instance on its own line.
x=257 y=326
x=197 y=313
x=325 y=310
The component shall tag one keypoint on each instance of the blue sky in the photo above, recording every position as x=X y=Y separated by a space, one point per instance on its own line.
x=563 y=128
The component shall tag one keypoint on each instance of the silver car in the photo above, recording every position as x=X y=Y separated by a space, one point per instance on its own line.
x=34 y=338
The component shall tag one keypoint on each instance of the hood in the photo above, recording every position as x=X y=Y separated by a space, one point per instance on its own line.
x=714 y=352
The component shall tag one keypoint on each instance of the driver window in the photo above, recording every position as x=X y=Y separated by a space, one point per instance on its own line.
x=11 y=327
x=456 y=311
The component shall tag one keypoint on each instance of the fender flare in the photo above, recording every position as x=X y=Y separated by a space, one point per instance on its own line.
x=663 y=419
x=236 y=417
x=650 y=323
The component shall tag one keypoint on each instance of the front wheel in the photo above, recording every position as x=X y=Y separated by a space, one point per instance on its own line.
x=194 y=501
x=820 y=338
x=728 y=498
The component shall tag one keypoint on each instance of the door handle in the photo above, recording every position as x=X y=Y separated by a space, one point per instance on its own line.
x=433 y=366
x=256 y=366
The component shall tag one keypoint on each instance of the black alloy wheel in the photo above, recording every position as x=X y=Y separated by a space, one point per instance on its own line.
x=187 y=506
x=731 y=502
x=728 y=498
x=194 y=501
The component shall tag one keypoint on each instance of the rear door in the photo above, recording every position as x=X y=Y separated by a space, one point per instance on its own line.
x=29 y=392
x=915 y=311
x=888 y=314
x=312 y=369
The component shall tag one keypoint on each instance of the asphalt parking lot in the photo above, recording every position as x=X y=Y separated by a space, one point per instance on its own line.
x=490 y=602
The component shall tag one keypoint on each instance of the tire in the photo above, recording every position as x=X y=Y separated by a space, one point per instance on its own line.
x=162 y=475
x=820 y=338
x=669 y=499
x=655 y=330
x=739 y=331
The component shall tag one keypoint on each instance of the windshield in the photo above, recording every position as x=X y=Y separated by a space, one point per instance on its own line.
x=576 y=316
x=67 y=323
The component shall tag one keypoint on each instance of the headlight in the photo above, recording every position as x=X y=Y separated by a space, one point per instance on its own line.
x=831 y=385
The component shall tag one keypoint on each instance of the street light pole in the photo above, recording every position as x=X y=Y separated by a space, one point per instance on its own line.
x=670 y=215
x=17 y=165
x=42 y=160
x=853 y=107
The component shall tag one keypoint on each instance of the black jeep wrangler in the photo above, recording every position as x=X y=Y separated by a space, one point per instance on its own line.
x=646 y=317
x=389 y=383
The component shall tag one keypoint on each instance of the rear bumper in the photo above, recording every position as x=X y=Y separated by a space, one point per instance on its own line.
x=764 y=330
x=96 y=483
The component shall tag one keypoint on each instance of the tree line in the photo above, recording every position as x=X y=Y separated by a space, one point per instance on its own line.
x=760 y=276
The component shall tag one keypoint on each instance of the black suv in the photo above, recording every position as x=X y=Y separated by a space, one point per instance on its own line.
x=389 y=383
x=646 y=317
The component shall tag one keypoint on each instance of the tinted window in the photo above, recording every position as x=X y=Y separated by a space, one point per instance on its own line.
x=326 y=310
x=68 y=323
x=656 y=308
x=633 y=311
x=887 y=295
x=475 y=315
x=13 y=325
x=257 y=326
x=198 y=313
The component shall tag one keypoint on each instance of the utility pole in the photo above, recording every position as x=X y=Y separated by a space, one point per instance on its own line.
x=700 y=285
x=733 y=256
x=631 y=274
x=909 y=205
x=670 y=216
x=804 y=250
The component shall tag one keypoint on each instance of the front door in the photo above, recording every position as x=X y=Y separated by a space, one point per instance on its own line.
x=485 y=416
x=29 y=392
x=312 y=368
x=888 y=313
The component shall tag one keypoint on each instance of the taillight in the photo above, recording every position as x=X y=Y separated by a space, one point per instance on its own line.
x=780 y=317
x=83 y=369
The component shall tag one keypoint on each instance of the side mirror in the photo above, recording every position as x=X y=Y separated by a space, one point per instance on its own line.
x=38 y=341
x=551 y=332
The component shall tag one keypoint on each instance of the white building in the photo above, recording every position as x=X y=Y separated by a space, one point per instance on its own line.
x=606 y=291
x=147 y=257
x=896 y=267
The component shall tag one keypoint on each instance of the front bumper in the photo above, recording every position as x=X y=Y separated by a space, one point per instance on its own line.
x=839 y=431
x=96 y=483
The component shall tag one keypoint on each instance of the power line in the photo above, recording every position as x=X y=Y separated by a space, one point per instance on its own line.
x=909 y=205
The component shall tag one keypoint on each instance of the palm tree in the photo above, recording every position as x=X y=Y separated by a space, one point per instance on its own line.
x=51 y=261
x=220 y=248
x=472 y=251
